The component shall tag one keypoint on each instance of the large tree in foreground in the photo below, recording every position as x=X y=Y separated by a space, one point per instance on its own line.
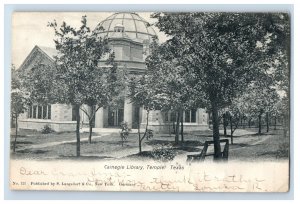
x=172 y=81
x=77 y=70
x=224 y=51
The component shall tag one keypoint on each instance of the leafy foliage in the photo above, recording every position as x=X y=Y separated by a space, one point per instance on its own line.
x=80 y=77
x=47 y=129
x=19 y=99
x=163 y=153
x=225 y=52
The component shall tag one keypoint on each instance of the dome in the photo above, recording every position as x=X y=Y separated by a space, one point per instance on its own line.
x=135 y=26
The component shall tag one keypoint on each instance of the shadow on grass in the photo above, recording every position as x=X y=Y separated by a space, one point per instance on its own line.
x=84 y=157
x=159 y=142
x=19 y=136
x=119 y=143
x=144 y=154
x=28 y=151
x=277 y=154
x=21 y=142
x=240 y=145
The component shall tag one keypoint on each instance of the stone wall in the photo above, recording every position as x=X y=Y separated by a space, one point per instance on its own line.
x=37 y=124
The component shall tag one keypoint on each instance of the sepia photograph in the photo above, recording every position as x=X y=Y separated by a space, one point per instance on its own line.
x=150 y=101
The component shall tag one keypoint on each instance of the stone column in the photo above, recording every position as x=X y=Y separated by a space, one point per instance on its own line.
x=128 y=113
x=143 y=115
x=99 y=119
x=199 y=116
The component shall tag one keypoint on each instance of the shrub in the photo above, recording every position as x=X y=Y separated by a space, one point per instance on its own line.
x=283 y=151
x=47 y=129
x=163 y=153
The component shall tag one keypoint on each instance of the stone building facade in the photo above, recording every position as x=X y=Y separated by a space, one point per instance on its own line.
x=129 y=37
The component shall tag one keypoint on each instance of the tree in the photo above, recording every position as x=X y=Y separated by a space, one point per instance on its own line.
x=141 y=93
x=173 y=83
x=223 y=50
x=19 y=99
x=77 y=67
x=105 y=88
x=39 y=83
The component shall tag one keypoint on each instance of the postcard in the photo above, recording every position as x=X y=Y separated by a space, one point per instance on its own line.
x=150 y=101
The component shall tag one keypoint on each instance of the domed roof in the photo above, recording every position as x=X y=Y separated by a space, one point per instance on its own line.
x=135 y=26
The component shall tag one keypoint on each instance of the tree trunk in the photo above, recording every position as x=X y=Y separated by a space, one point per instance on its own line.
x=224 y=124
x=259 y=123
x=177 y=129
x=216 y=134
x=140 y=143
x=231 y=130
x=139 y=133
x=91 y=119
x=275 y=120
x=249 y=123
x=15 y=142
x=170 y=129
x=146 y=129
x=181 y=121
x=90 y=132
x=267 y=120
x=77 y=108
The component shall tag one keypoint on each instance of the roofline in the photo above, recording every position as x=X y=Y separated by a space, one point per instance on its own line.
x=111 y=39
x=31 y=53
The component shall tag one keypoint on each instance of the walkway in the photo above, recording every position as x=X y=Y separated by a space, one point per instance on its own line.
x=50 y=144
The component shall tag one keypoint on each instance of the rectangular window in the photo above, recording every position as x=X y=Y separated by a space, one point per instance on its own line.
x=190 y=116
x=49 y=112
x=166 y=116
x=193 y=115
x=30 y=112
x=187 y=116
x=34 y=111
x=44 y=112
x=173 y=117
x=73 y=113
x=39 y=112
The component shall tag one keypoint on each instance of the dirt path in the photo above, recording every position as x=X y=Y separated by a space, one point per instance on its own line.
x=122 y=153
x=50 y=144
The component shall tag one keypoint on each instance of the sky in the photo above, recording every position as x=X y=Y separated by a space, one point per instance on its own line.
x=30 y=29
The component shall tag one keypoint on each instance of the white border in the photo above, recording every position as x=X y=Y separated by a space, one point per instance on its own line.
x=147 y=195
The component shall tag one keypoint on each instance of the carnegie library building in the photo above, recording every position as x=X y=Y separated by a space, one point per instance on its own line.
x=129 y=37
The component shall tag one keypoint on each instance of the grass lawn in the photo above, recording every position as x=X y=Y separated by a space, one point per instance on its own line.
x=247 y=146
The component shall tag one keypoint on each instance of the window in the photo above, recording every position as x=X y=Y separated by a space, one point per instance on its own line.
x=49 y=112
x=73 y=113
x=166 y=116
x=44 y=112
x=39 y=112
x=173 y=117
x=30 y=112
x=190 y=116
x=34 y=111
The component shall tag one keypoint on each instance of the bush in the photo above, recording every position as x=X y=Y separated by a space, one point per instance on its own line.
x=47 y=129
x=163 y=153
x=283 y=151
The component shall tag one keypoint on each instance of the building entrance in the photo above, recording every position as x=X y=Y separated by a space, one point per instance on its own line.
x=115 y=117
